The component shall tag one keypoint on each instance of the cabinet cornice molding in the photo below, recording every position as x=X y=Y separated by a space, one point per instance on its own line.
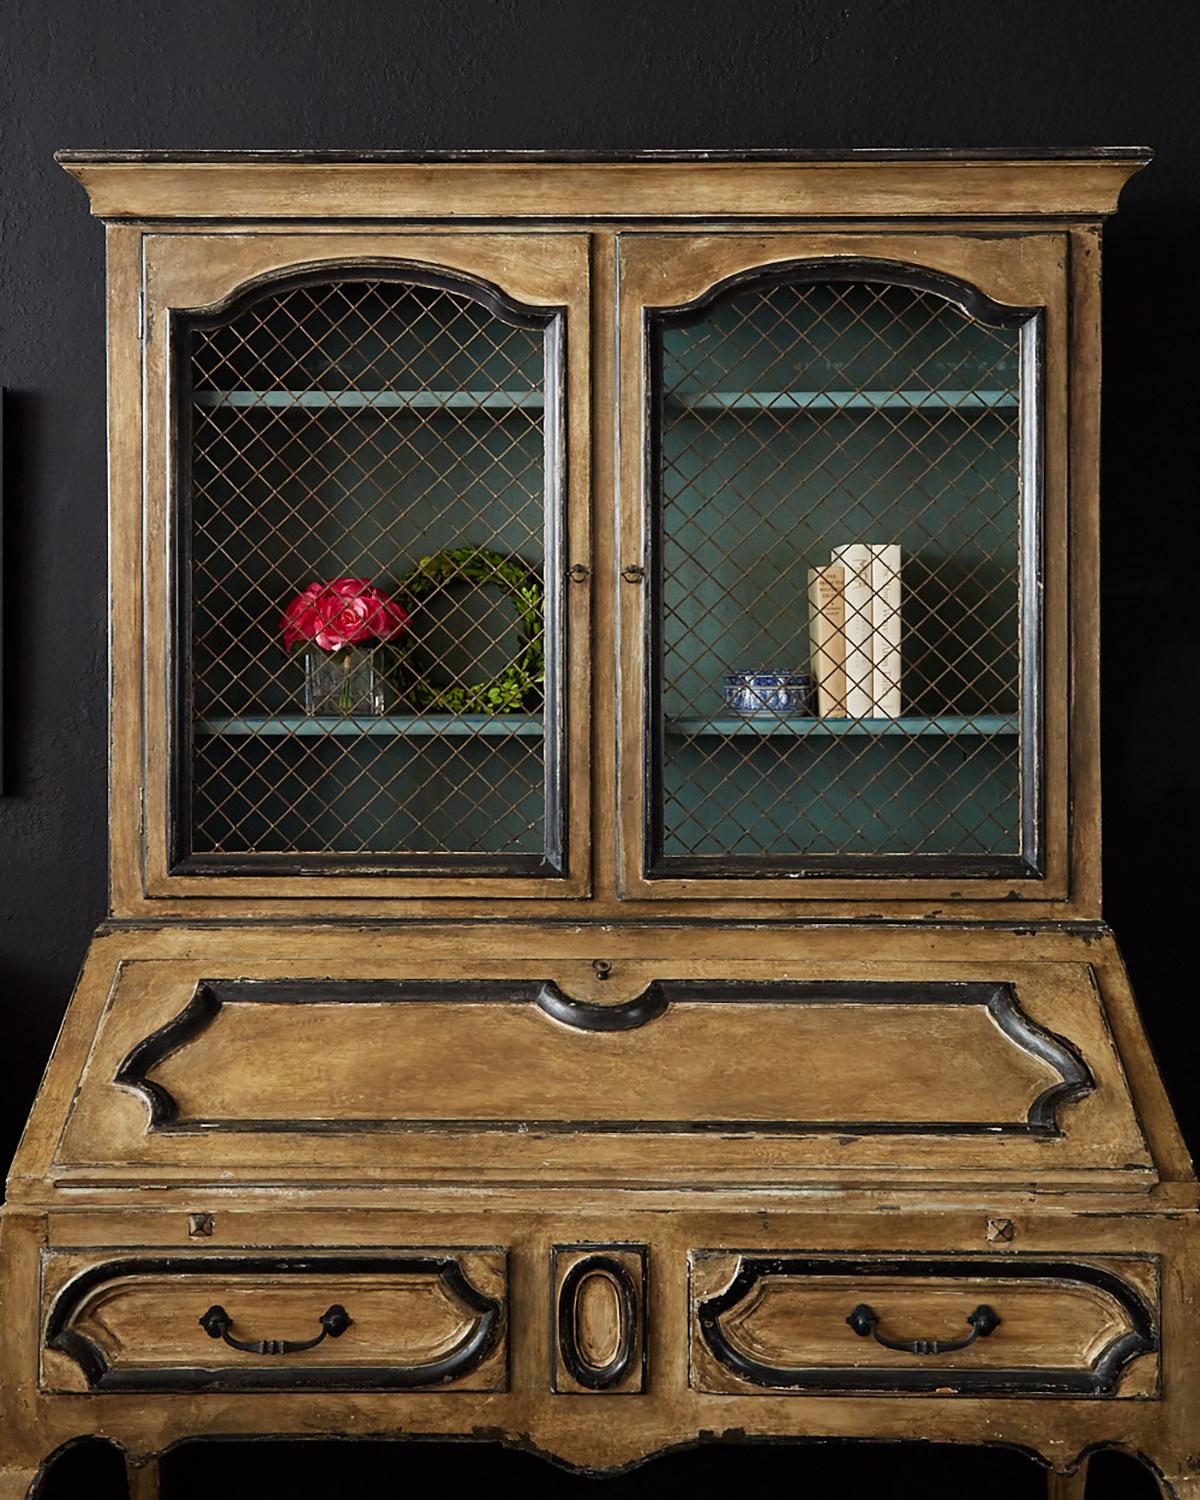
x=1083 y=184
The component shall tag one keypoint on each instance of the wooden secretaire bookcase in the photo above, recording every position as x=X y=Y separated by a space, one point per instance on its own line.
x=665 y=967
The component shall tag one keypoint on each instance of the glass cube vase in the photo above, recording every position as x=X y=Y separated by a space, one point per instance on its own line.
x=347 y=682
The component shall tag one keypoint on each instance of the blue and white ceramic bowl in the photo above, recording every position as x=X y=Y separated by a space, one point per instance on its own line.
x=769 y=692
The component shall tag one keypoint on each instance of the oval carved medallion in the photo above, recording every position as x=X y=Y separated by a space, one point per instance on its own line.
x=597 y=1321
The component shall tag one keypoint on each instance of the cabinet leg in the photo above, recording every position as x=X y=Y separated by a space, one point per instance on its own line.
x=15 y=1484
x=1070 y=1486
x=143 y=1479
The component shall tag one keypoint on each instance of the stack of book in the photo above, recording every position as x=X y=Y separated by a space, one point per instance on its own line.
x=854 y=625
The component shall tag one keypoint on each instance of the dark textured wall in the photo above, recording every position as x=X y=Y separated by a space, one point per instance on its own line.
x=599 y=74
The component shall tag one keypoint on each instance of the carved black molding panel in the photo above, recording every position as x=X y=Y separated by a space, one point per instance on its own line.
x=1099 y=1378
x=999 y=1000
x=470 y=1351
x=619 y=1274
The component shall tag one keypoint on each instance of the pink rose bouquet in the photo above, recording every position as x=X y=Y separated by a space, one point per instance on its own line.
x=346 y=612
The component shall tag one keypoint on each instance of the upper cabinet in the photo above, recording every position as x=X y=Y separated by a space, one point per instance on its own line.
x=720 y=533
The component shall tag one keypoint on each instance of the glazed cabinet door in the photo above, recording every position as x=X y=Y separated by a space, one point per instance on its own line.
x=843 y=588
x=366 y=561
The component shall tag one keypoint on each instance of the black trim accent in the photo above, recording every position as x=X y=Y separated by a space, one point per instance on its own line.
x=1000 y=1000
x=556 y=545
x=196 y=1016
x=975 y=304
x=584 y=1015
x=1031 y=573
x=1099 y=1380
x=181 y=858
x=693 y=154
x=673 y=921
x=815 y=866
x=981 y=308
x=1077 y=1079
x=527 y=1127
x=466 y=1356
x=446 y=866
x=582 y=1371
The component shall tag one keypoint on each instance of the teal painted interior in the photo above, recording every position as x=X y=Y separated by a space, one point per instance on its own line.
x=872 y=796
x=352 y=428
x=798 y=418
x=348 y=429
x=329 y=794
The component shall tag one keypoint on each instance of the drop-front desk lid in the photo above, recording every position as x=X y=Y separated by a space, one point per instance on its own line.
x=417 y=1058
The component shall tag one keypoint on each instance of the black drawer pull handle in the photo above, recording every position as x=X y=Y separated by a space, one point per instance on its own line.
x=216 y=1322
x=983 y=1321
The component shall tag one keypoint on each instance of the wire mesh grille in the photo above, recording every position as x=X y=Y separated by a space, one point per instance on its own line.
x=800 y=418
x=344 y=429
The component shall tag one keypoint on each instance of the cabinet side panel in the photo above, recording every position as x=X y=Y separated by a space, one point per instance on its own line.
x=124 y=250
x=1084 y=544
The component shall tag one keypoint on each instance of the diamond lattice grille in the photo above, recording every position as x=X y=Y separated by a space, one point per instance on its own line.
x=347 y=429
x=800 y=418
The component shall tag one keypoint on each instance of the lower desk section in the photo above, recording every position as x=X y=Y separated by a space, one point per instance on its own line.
x=890 y=1186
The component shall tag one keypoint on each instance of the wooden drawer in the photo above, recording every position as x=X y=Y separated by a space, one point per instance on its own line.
x=405 y=1321
x=1016 y=1326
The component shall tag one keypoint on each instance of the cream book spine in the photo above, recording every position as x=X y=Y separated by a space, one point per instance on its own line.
x=886 y=662
x=827 y=637
x=856 y=559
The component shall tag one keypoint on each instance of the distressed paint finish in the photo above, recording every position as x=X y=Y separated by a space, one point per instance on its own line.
x=787 y=1322
x=1103 y=1179
x=137 y=1324
x=1006 y=257
x=870 y=186
x=797 y=72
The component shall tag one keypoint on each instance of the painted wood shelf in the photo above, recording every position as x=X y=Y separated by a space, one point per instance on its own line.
x=784 y=402
x=945 y=726
x=775 y=402
x=416 y=400
x=493 y=726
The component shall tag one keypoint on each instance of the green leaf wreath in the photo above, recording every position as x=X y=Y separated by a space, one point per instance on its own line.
x=519 y=687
